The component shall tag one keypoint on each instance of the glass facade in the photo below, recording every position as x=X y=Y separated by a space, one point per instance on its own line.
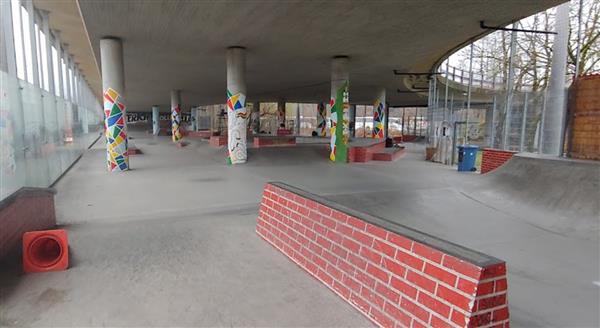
x=41 y=133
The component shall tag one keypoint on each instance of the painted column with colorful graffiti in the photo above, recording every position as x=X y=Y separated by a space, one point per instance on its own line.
x=237 y=113
x=339 y=104
x=255 y=118
x=176 y=115
x=321 y=120
x=379 y=116
x=281 y=115
x=113 y=86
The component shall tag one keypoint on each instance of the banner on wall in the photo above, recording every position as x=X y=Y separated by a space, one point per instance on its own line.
x=147 y=117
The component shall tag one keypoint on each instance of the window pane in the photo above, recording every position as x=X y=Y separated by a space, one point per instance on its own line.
x=27 y=39
x=44 y=61
x=64 y=76
x=18 y=36
x=56 y=71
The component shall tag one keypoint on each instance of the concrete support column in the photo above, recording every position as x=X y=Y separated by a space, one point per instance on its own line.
x=379 y=117
x=255 y=118
x=554 y=119
x=176 y=115
x=155 y=120
x=237 y=114
x=321 y=120
x=339 y=102
x=280 y=114
x=113 y=86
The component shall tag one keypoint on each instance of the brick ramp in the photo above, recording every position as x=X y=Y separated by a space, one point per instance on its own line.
x=394 y=275
x=388 y=154
x=566 y=186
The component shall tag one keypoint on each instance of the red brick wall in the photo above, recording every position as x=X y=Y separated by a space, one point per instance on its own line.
x=218 y=141
x=205 y=134
x=388 y=156
x=28 y=209
x=393 y=279
x=585 y=124
x=274 y=141
x=364 y=154
x=494 y=158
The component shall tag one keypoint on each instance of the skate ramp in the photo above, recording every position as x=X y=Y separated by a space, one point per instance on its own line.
x=568 y=190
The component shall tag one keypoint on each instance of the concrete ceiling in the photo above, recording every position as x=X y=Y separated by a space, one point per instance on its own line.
x=181 y=44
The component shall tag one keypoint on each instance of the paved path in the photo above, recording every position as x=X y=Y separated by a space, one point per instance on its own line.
x=172 y=242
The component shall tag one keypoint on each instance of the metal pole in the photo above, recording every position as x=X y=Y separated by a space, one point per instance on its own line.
x=415 y=122
x=446 y=95
x=493 y=123
x=469 y=95
x=543 y=121
x=429 y=109
x=523 y=124
x=452 y=107
x=554 y=125
x=579 y=14
x=403 y=113
x=509 y=89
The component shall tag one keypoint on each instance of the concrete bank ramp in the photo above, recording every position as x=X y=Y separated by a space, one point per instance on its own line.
x=569 y=190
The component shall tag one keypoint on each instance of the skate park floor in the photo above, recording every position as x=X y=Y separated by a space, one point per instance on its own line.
x=172 y=242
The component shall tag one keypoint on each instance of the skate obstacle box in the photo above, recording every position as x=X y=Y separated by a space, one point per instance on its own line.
x=394 y=275
x=45 y=251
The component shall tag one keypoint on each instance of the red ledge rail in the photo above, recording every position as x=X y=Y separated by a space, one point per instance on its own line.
x=394 y=275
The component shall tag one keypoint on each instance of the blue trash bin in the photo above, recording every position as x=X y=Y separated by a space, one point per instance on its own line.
x=467 y=154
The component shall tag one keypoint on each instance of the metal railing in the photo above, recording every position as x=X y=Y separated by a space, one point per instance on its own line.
x=479 y=80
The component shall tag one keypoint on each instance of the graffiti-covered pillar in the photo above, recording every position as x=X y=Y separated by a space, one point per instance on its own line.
x=379 y=117
x=321 y=120
x=175 y=115
x=255 y=117
x=237 y=115
x=155 y=120
x=280 y=114
x=113 y=87
x=339 y=103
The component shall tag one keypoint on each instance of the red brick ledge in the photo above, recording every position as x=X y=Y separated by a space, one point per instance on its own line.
x=394 y=275
x=274 y=141
x=493 y=158
x=24 y=210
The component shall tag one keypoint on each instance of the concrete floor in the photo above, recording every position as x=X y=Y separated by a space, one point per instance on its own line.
x=172 y=242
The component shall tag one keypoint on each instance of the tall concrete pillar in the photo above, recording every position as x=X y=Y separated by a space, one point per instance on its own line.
x=155 y=120
x=554 y=119
x=281 y=114
x=255 y=118
x=175 y=115
x=379 y=117
x=321 y=120
x=113 y=86
x=237 y=115
x=339 y=102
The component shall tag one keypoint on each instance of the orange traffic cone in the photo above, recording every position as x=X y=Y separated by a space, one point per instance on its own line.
x=45 y=251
